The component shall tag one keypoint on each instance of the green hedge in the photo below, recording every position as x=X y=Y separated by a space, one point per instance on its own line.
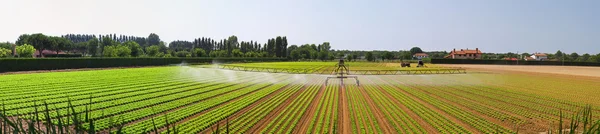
x=509 y=62
x=62 y=55
x=31 y=64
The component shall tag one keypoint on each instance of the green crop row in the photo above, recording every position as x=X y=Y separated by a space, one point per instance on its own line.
x=203 y=121
x=293 y=112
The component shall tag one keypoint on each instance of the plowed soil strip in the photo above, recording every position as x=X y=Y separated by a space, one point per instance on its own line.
x=381 y=120
x=260 y=125
x=437 y=110
x=344 y=117
x=307 y=117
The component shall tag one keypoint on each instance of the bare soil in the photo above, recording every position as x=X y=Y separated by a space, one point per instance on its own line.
x=344 y=119
x=565 y=70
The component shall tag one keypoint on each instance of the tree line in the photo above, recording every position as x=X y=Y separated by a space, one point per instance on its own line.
x=113 y=45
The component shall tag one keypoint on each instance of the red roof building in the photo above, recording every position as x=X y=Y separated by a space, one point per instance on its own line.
x=420 y=55
x=465 y=54
x=45 y=52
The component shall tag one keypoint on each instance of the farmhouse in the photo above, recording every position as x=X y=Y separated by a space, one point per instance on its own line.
x=420 y=56
x=46 y=52
x=464 y=54
x=539 y=56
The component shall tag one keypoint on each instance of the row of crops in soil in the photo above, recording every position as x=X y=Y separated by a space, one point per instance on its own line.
x=202 y=100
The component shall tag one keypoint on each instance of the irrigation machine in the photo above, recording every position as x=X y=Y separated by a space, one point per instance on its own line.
x=342 y=73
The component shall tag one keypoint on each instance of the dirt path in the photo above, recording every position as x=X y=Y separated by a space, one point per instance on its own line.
x=435 y=109
x=564 y=70
x=381 y=119
x=260 y=125
x=344 y=116
x=307 y=117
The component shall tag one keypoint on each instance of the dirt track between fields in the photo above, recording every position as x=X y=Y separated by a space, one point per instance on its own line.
x=565 y=70
x=344 y=118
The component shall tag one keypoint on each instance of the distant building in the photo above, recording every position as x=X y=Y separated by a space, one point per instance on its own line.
x=539 y=56
x=464 y=54
x=420 y=56
x=45 y=52
x=529 y=58
x=513 y=59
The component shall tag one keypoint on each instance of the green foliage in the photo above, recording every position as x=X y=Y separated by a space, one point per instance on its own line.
x=199 y=52
x=323 y=55
x=81 y=47
x=93 y=46
x=25 y=51
x=574 y=56
x=39 y=41
x=135 y=48
x=5 y=52
x=153 y=39
x=107 y=41
x=23 y=39
x=6 y=45
x=154 y=51
x=183 y=54
x=405 y=55
x=387 y=55
x=218 y=53
x=116 y=51
x=415 y=50
x=237 y=53
x=29 y=64
x=595 y=58
x=369 y=56
x=251 y=54
x=559 y=54
x=426 y=60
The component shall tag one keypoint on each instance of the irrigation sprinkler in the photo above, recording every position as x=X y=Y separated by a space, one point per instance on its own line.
x=342 y=73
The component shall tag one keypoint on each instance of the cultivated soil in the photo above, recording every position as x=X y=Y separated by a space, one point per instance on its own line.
x=565 y=70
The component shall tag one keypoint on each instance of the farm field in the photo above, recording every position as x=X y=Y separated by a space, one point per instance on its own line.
x=192 y=99
x=565 y=70
x=358 y=68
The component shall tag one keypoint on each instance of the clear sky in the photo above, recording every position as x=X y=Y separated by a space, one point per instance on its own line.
x=491 y=25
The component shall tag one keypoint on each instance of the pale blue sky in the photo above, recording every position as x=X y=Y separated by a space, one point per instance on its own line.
x=491 y=25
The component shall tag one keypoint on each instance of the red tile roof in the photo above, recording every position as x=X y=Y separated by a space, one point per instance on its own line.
x=467 y=51
x=540 y=54
x=421 y=54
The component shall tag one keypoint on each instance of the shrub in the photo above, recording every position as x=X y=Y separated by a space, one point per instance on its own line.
x=5 y=52
x=25 y=50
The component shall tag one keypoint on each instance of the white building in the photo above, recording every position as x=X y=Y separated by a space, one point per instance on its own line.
x=539 y=56
x=420 y=56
